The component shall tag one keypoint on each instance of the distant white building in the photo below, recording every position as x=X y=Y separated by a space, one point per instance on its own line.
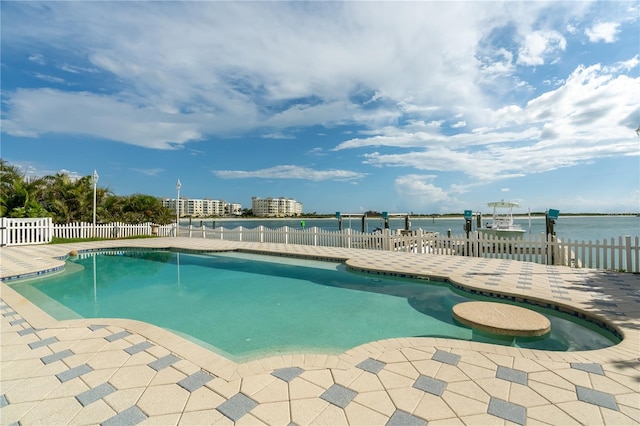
x=233 y=209
x=275 y=207
x=196 y=207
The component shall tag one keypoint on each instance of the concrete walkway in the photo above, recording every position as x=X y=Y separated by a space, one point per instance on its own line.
x=116 y=372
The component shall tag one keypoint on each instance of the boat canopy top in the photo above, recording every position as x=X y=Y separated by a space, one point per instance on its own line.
x=503 y=204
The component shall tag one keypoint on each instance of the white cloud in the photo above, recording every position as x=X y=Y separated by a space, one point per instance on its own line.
x=421 y=189
x=37 y=111
x=76 y=69
x=37 y=58
x=278 y=135
x=603 y=31
x=580 y=121
x=49 y=78
x=539 y=46
x=291 y=172
x=149 y=172
x=397 y=70
x=288 y=64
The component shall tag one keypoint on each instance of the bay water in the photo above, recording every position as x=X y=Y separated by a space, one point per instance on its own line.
x=580 y=228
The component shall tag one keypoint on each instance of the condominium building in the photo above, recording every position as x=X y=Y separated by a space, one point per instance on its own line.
x=195 y=207
x=275 y=207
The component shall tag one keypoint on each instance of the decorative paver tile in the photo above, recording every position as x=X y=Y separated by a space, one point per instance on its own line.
x=139 y=347
x=17 y=321
x=26 y=331
x=3 y=401
x=94 y=327
x=43 y=342
x=402 y=418
x=130 y=416
x=117 y=336
x=74 y=372
x=56 y=356
x=237 y=406
x=371 y=365
x=512 y=375
x=507 y=410
x=446 y=357
x=430 y=385
x=338 y=395
x=596 y=397
x=163 y=362
x=588 y=367
x=287 y=374
x=195 y=380
x=92 y=395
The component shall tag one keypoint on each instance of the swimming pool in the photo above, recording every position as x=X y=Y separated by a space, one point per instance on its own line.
x=245 y=306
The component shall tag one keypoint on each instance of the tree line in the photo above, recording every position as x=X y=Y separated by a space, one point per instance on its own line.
x=67 y=200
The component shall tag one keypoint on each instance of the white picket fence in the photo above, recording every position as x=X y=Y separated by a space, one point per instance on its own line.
x=18 y=231
x=621 y=254
x=14 y=231
x=109 y=230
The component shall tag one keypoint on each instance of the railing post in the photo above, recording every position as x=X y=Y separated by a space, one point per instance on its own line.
x=261 y=227
x=286 y=235
x=627 y=249
x=387 y=240
x=636 y=249
x=3 y=231
x=204 y=235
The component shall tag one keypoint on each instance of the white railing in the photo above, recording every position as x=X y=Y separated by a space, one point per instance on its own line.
x=621 y=254
x=19 y=231
x=109 y=230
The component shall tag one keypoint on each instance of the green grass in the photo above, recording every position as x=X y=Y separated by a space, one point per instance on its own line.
x=56 y=240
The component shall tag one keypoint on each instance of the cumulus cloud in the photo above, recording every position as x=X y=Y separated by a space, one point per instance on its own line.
x=229 y=67
x=291 y=172
x=581 y=120
x=414 y=80
x=603 y=31
x=37 y=111
x=421 y=187
x=539 y=46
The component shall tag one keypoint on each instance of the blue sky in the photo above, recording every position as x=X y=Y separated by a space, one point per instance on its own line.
x=425 y=107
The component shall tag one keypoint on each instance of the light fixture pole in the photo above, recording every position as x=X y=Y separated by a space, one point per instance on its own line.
x=95 y=183
x=178 y=186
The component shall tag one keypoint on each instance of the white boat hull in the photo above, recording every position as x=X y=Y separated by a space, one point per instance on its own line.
x=503 y=233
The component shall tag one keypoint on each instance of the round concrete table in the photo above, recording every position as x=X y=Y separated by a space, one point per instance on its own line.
x=500 y=318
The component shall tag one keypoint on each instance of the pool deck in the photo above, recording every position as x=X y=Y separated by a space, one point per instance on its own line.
x=116 y=372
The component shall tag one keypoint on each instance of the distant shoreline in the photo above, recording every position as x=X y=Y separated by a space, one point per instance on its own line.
x=426 y=217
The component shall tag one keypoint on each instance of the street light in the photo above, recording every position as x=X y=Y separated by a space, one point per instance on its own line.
x=178 y=186
x=95 y=182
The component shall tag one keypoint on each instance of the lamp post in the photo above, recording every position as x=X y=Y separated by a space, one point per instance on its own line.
x=95 y=183
x=178 y=186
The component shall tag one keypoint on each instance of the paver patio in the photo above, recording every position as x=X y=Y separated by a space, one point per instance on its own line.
x=117 y=371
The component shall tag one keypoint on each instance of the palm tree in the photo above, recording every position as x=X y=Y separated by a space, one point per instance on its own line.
x=71 y=200
x=140 y=208
x=59 y=199
x=19 y=196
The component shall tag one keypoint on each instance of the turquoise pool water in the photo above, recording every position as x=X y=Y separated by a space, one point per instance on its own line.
x=244 y=306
